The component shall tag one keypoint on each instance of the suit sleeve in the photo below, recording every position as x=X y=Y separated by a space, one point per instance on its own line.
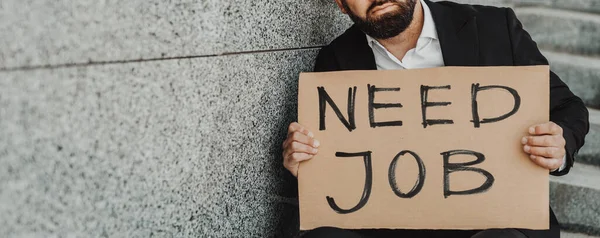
x=566 y=109
x=326 y=60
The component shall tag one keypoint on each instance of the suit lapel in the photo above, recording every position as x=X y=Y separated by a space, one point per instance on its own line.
x=457 y=33
x=353 y=52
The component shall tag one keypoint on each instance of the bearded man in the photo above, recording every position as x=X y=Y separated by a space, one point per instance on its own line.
x=409 y=34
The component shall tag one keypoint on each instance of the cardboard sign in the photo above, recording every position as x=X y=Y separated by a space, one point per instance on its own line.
x=423 y=149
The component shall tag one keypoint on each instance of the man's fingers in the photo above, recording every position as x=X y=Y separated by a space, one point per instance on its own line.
x=299 y=146
x=296 y=147
x=294 y=126
x=544 y=141
x=302 y=138
x=550 y=164
x=548 y=152
x=548 y=128
x=298 y=157
x=292 y=162
x=545 y=157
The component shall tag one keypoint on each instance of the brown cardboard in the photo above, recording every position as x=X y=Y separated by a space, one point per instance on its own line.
x=518 y=197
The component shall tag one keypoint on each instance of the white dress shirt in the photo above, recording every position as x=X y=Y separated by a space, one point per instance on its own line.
x=427 y=53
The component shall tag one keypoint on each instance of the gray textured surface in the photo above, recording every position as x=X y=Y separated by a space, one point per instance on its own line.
x=59 y=32
x=581 y=74
x=172 y=148
x=577 y=5
x=561 y=30
x=574 y=199
x=564 y=234
x=590 y=152
x=499 y=3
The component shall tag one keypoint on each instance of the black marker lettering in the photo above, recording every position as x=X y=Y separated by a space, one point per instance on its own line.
x=373 y=106
x=420 y=180
x=455 y=167
x=425 y=104
x=476 y=89
x=368 y=182
x=324 y=98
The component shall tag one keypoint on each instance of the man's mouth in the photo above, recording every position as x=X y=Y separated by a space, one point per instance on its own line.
x=382 y=7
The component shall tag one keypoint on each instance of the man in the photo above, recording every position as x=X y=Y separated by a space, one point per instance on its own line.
x=406 y=34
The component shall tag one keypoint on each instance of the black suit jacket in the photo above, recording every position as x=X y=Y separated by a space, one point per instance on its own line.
x=477 y=36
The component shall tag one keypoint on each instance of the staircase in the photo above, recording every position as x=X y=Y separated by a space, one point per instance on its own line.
x=575 y=197
x=568 y=32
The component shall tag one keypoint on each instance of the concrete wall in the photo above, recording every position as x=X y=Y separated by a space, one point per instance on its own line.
x=153 y=118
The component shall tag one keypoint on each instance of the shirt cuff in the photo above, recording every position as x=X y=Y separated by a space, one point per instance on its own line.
x=563 y=166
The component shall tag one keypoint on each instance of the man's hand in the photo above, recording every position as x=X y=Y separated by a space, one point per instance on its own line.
x=299 y=146
x=545 y=145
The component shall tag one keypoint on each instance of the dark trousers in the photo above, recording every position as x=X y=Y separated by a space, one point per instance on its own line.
x=553 y=232
x=371 y=233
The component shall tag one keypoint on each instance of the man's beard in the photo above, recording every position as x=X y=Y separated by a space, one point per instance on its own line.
x=389 y=24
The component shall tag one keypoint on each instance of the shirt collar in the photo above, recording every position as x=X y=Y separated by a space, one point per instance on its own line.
x=428 y=30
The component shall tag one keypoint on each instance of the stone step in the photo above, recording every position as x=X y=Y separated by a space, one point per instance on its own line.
x=582 y=74
x=497 y=3
x=562 y=30
x=575 y=199
x=590 y=152
x=577 y=5
x=566 y=234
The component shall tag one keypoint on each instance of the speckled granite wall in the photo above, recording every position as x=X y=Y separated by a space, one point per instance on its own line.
x=55 y=32
x=152 y=118
x=179 y=148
